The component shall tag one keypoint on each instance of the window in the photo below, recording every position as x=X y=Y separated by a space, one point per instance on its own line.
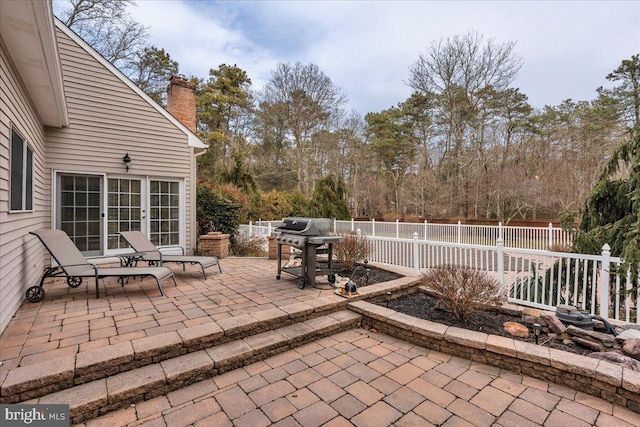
x=165 y=213
x=21 y=174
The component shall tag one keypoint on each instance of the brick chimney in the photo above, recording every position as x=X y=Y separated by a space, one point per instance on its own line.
x=181 y=101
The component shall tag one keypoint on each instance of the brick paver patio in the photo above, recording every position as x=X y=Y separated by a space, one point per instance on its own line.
x=70 y=320
x=385 y=382
x=358 y=377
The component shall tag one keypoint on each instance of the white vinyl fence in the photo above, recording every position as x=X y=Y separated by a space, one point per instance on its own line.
x=524 y=237
x=543 y=238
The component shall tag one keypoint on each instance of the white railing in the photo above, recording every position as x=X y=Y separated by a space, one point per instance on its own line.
x=543 y=238
x=535 y=278
x=523 y=237
x=263 y=229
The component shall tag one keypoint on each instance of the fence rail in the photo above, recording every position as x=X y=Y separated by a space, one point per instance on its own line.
x=543 y=238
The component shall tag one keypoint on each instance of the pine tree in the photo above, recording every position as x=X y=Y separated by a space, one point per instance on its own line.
x=611 y=213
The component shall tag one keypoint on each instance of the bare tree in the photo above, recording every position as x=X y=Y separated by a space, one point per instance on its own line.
x=458 y=69
x=311 y=99
x=107 y=27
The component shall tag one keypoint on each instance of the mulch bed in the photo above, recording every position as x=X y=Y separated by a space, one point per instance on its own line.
x=364 y=275
x=426 y=307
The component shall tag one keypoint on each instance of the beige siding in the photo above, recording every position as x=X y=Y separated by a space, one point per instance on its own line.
x=22 y=258
x=108 y=119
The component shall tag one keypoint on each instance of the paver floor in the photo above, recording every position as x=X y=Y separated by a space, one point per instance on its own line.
x=366 y=379
x=69 y=320
x=358 y=377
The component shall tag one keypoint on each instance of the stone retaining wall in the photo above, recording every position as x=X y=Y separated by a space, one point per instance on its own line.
x=596 y=377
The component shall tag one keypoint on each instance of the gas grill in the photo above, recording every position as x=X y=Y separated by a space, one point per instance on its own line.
x=309 y=235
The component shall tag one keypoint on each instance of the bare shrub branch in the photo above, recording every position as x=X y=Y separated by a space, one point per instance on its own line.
x=354 y=248
x=462 y=290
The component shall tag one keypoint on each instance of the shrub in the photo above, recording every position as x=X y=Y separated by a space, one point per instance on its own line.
x=354 y=248
x=279 y=204
x=248 y=246
x=215 y=212
x=462 y=290
x=559 y=247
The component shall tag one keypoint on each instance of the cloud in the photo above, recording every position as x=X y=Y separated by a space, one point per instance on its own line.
x=366 y=47
x=199 y=39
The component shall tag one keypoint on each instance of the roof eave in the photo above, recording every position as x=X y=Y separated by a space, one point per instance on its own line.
x=28 y=31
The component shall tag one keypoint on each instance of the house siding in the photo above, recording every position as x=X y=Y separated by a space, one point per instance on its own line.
x=22 y=258
x=108 y=119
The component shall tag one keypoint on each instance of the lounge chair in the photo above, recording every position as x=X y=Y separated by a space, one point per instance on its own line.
x=74 y=266
x=149 y=253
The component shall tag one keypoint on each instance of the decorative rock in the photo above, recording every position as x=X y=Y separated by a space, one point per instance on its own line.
x=627 y=334
x=585 y=342
x=553 y=323
x=599 y=337
x=631 y=348
x=533 y=312
x=516 y=329
x=617 y=358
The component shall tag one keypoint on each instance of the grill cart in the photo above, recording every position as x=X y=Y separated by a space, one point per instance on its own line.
x=308 y=235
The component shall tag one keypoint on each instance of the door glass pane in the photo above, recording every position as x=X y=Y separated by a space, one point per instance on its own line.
x=164 y=213
x=79 y=213
x=124 y=210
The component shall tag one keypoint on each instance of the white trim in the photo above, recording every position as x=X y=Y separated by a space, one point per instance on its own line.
x=183 y=213
x=28 y=33
x=192 y=139
x=26 y=145
x=52 y=58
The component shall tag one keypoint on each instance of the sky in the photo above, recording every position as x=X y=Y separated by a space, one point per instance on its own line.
x=367 y=47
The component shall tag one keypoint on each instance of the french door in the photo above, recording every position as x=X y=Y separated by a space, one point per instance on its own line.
x=94 y=209
x=79 y=212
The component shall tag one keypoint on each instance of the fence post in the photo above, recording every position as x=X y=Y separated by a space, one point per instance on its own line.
x=250 y=228
x=373 y=227
x=269 y=229
x=459 y=231
x=550 y=236
x=416 y=258
x=604 y=281
x=397 y=228
x=353 y=222
x=500 y=247
x=500 y=236
x=425 y=229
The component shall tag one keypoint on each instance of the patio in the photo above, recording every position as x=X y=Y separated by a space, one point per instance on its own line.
x=356 y=377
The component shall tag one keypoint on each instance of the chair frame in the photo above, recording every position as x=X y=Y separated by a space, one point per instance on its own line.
x=36 y=293
x=178 y=259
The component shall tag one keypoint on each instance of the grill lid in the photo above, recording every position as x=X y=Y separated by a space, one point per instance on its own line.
x=306 y=226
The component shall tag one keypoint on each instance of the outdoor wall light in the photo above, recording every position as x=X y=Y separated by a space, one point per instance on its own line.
x=536 y=331
x=126 y=159
x=388 y=298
